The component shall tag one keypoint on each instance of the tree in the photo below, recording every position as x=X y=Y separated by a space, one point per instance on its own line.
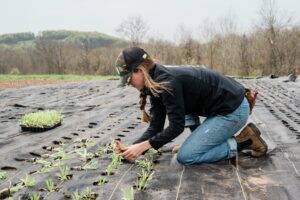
x=134 y=29
x=273 y=25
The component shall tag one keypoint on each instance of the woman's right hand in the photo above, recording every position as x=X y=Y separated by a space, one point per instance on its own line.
x=119 y=147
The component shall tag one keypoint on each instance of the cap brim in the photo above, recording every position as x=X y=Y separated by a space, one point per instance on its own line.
x=124 y=80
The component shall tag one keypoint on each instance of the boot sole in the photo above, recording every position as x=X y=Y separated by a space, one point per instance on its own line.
x=258 y=133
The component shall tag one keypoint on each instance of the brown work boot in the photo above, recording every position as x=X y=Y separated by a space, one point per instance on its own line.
x=250 y=136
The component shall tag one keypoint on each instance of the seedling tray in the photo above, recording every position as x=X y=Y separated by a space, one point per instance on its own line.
x=39 y=129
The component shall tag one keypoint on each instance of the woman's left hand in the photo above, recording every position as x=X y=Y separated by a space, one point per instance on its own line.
x=134 y=151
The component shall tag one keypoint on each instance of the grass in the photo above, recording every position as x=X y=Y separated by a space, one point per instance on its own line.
x=85 y=195
x=16 y=188
x=92 y=165
x=61 y=155
x=144 y=177
x=116 y=160
x=128 y=194
x=64 y=173
x=2 y=175
x=76 y=195
x=41 y=119
x=101 y=180
x=85 y=155
x=145 y=164
x=69 y=77
x=28 y=181
x=50 y=185
x=35 y=196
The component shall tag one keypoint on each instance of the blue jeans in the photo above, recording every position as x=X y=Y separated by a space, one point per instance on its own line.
x=213 y=139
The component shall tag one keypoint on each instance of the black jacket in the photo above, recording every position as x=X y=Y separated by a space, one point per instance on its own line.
x=193 y=90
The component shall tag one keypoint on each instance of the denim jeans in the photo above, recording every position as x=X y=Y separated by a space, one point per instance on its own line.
x=213 y=139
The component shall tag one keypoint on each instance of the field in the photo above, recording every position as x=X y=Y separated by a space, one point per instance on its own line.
x=75 y=154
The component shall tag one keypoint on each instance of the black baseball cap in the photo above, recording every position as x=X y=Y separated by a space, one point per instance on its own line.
x=127 y=61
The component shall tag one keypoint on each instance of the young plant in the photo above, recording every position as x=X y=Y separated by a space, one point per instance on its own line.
x=61 y=155
x=85 y=155
x=87 y=194
x=116 y=160
x=16 y=188
x=111 y=145
x=101 y=181
x=42 y=162
x=64 y=173
x=45 y=170
x=86 y=142
x=2 y=175
x=34 y=196
x=128 y=194
x=144 y=176
x=50 y=185
x=28 y=181
x=41 y=119
x=145 y=164
x=92 y=165
x=76 y=195
x=150 y=153
x=102 y=150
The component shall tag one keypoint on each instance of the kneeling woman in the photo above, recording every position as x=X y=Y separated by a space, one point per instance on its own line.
x=194 y=91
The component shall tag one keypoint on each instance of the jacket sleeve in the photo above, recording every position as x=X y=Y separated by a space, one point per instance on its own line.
x=174 y=106
x=158 y=114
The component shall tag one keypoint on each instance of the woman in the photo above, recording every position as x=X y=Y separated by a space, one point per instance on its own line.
x=176 y=92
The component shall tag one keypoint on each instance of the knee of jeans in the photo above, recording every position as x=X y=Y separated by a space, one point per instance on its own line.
x=184 y=158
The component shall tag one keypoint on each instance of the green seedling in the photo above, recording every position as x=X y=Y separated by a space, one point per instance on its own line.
x=85 y=155
x=145 y=164
x=2 y=175
x=61 y=155
x=64 y=173
x=41 y=119
x=128 y=194
x=35 y=196
x=28 y=181
x=42 y=162
x=76 y=195
x=86 y=142
x=144 y=176
x=102 y=150
x=111 y=145
x=110 y=169
x=92 y=165
x=116 y=160
x=101 y=180
x=45 y=170
x=88 y=194
x=16 y=188
x=150 y=153
x=50 y=185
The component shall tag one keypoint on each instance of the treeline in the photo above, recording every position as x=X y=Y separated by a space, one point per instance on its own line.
x=58 y=52
x=271 y=46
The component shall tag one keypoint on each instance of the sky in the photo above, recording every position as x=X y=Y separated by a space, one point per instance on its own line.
x=162 y=16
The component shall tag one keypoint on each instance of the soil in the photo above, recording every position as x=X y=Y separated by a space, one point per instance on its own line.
x=101 y=111
x=25 y=83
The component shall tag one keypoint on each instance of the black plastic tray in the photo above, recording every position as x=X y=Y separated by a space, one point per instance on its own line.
x=38 y=129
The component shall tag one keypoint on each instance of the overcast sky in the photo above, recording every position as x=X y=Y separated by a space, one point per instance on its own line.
x=163 y=16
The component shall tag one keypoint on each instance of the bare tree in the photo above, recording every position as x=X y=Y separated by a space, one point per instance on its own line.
x=134 y=29
x=244 y=56
x=52 y=53
x=84 y=62
x=208 y=35
x=273 y=24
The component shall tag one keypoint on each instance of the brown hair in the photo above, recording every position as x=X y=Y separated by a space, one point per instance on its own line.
x=155 y=87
